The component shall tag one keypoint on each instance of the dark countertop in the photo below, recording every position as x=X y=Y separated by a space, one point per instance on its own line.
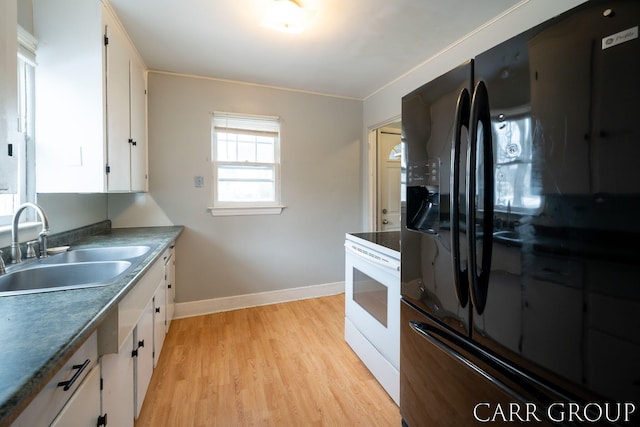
x=39 y=332
x=388 y=239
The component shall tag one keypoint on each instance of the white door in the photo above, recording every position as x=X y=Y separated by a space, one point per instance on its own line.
x=388 y=179
x=170 y=280
x=138 y=94
x=118 y=112
x=143 y=363
x=117 y=392
x=159 y=320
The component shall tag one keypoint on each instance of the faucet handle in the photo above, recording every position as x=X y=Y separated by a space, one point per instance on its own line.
x=31 y=250
x=42 y=241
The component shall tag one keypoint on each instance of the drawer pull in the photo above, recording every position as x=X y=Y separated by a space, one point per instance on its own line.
x=80 y=368
x=134 y=353
x=102 y=420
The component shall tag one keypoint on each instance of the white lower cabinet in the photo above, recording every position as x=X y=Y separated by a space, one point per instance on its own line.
x=170 y=283
x=118 y=387
x=143 y=360
x=68 y=392
x=83 y=408
x=159 y=320
x=130 y=341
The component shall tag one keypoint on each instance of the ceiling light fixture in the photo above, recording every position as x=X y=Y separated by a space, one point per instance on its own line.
x=286 y=15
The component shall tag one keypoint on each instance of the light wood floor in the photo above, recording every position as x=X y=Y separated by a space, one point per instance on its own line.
x=279 y=365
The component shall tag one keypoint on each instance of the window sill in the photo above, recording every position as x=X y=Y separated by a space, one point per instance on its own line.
x=253 y=210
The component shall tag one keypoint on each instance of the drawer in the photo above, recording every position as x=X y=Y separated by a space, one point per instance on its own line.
x=123 y=318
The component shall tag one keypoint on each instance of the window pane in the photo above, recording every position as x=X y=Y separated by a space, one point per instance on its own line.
x=246 y=151
x=246 y=191
x=8 y=205
x=245 y=173
x=246 y=183
x=265 y=152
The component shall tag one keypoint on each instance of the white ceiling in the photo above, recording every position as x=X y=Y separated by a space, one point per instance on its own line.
x=352 y=48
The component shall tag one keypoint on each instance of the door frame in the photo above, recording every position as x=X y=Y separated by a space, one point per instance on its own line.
x=371 y=190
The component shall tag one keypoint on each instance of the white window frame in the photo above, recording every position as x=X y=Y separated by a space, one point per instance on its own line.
x=228 y=208
x=25 y=149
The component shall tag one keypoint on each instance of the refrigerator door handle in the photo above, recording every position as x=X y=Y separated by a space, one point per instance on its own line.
x=461 y=284
x=480 y=114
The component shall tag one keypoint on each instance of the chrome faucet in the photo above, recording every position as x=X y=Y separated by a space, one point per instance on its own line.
x=16 y=254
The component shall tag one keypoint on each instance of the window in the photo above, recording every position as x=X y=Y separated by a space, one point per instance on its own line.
x=25 y=152
x=246 y=164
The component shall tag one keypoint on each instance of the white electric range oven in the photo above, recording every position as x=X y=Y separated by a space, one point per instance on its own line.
x=372 y=304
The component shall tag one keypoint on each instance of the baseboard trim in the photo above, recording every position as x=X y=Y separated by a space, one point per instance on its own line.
x=216 y=305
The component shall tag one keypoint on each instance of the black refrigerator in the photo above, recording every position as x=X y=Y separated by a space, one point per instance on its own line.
x=520 y=238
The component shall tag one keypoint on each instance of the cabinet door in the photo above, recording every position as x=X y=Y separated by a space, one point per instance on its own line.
x=170 y=282
x=8 y=100
x=118 y=113
x=138 y=126
x=159 y=321
x=70 y=105
x=117 y=392
x=83 y=408
x=143 y=363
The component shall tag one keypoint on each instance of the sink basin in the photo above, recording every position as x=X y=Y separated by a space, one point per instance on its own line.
x=113 y=253
x=61 y=276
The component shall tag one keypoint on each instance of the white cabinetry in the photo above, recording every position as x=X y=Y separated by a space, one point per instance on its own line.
x=67 y=393
x=159 y=320
x=118 y=387
x=126 y=112
x=143 y=361
x=170 y=283
x=8 y=96
x=80 y=134
x=130 y=341
x=84 y=406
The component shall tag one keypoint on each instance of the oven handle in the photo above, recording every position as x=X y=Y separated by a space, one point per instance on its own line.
x=390 y=264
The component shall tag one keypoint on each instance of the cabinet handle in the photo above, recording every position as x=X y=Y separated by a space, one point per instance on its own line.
x=102 y=420
x=134 y=353
x=132 y=142
x=157 y=309
x=68 y=384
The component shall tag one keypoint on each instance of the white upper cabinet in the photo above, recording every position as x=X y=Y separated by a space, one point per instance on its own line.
x=83 y=104
x=126 y=112
x=8 y=96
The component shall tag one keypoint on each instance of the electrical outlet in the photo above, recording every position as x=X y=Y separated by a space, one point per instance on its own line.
x=198 y=181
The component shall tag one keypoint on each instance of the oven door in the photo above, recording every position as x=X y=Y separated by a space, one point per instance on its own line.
x=372 y=298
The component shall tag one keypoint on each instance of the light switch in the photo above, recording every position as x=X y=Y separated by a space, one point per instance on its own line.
x=198 y=181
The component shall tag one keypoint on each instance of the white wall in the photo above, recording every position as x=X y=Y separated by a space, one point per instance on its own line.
x=321 y=187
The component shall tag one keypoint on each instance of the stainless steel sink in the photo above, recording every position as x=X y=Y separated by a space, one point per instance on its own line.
x=113 y=253
x=42 y=278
